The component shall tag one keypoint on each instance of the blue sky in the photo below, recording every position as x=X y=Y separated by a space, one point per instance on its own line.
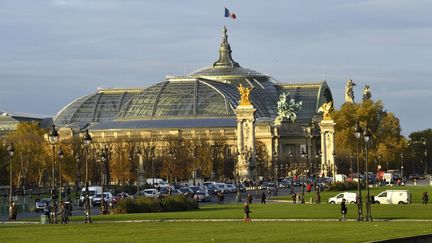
x=53 y=51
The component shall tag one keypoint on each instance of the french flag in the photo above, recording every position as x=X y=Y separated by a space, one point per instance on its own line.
x=229 y=14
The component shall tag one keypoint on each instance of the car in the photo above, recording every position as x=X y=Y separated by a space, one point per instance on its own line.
x=413 y=176
x=40 y=204
x=222 y=187
x=350 y=197
x=148 y=193
x=393 y=197
x=187 y=191
x=285 y=183
x=203 y=196
x=197 y=188
x=92 y=191
x=211 y=188
x=231 y=187
x=269 y=186
x=108 y=198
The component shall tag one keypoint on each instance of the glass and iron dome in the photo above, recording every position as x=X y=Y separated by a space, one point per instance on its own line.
x=207 y=93
x=103 y=105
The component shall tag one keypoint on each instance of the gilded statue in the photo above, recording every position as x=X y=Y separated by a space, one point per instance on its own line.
x=366 y=93
x=349 y=92
x=244 y=95
x=326 y=109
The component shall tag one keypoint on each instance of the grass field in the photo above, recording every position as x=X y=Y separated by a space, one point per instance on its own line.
x=106 y=229
x=215 y=232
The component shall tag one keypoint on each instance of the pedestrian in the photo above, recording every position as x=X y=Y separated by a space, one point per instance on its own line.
x=308 y=187
x=344 y=211
x=294 y=197
x=222 y=197
x=263 y=198
x=218 y=195
x=249 y=198
x=47 y=212
x=64 y=213
x=318 y=197
x=425 y=198
x=246 y=212
x=14 y=211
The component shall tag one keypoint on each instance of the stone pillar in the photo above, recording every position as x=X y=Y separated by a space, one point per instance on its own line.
x=327 y=148
x=141 y=179
x=246 y=162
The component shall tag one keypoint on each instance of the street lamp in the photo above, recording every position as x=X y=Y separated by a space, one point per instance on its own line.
x=104 y=158
x=53 y=138
x=10 y=150
x=358 y=133
x=367 y=136
x=87 y=139
x=138 y=153
x=351 y=164
x=402 y=162
x=275 y=155
x=303 y=154
x=78 y=175
x=60 y=156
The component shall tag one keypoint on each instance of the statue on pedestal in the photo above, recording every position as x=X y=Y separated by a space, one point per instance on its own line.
x=287 y=109
x=349 y=92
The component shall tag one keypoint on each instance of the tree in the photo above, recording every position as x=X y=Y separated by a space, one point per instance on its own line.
x=387 y=141
x=419 y=151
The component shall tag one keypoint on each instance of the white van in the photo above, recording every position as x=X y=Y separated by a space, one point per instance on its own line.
x=350 y=197
x=157 y=182
x=93 y=190
x=393 y=197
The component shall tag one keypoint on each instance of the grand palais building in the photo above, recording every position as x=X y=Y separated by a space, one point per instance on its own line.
x=202 y=105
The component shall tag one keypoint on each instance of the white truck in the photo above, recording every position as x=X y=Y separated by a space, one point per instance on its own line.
x=393 y=197
x=93 y=191
x=350 y=197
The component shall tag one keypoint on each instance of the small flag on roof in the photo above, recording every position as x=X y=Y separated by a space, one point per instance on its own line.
x=229 y=14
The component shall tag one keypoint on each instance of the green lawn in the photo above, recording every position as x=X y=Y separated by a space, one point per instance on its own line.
x=214 y=232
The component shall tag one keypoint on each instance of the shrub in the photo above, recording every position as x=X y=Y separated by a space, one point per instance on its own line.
x=149 y=205
x=343 y=186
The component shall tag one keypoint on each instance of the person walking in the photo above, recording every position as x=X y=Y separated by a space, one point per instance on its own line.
x=47 y=211
x=64 y=213
x=425 y=198
x=294 y=197
x=246 y=211
x=263 y=198
x=318 y=197
x=249 y=198
x=14 y=211
x=344 y=211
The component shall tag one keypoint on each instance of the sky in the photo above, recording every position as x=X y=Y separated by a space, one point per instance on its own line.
x=54 y=51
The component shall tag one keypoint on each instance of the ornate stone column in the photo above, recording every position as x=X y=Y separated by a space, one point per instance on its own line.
x=246 y=162
x=327 y=147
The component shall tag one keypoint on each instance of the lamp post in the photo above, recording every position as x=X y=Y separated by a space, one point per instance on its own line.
x=402 y=162
x=153 y=169
x=275 y=168
x=60 y=156
x=367 y=136
x=304 y=155
x=53 y=138
x=87 y=139
x=351 y=165
x=104 y=158
x=138 y=153
x=358 y=133
x=78 y=175
x=10 y=150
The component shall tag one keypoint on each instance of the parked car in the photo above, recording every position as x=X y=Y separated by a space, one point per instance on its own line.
x=242 y=187
x=211 y=188
x=108 y=198
x=40 y=204
x=222 y=187
x=269 y=186
x=187 y=191
x=231 y=187
x=285 y=183
x=350 y=197
x=393 y=197
x=203 y=196
x=148 y=193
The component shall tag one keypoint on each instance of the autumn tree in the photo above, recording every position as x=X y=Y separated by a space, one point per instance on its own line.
x=418 y=153
x=386 y=144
